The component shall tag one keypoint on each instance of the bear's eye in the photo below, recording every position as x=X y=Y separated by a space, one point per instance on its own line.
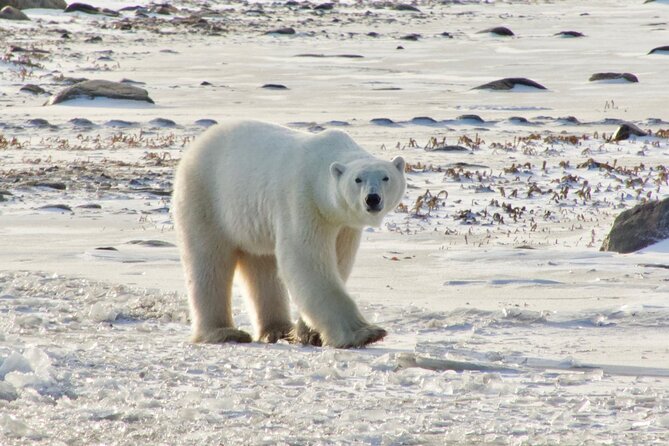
x=358 y=180
x=386 y=178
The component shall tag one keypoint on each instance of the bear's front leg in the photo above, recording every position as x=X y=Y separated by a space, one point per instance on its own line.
x=309 y=269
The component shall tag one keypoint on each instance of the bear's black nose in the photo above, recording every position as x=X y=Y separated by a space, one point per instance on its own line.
x=373 y=201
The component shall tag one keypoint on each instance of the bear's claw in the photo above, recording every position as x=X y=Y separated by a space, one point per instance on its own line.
x=367 y=335
x=222 y=335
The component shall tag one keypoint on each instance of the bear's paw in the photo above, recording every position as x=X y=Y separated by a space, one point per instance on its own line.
x=223 y=335
x=274 y=333
x=305 y=335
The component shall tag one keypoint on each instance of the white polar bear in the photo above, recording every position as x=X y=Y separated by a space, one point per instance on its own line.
x=286 y=209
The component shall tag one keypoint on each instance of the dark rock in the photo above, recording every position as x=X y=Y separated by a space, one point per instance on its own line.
x=406 y=7
x=206 y=122
x=287 y=31
x=448 y=148
x=423 y=120
x=498 y=30
x=446 y=34
x=373 y=34
x=206 y=84
x=119 y=123
x=33 y=4
x=569 y=34
x=83 y=7
x=51 y=185
x=383 y=121
x=569 y=119
x=89 y=9
x=38 y=122
x=411 y=37
x=162 y=122
x=629 y=77
x=99 y=88
x=89 y=206
x=34 y=89
x=152 y=243
x=324 y=7
x=132 y=82
x=106 y=248
x=660 y=49
x=626 y=130
x=56 y=207
x=639 y=227
x=274 y=87
x=94 y=39
x=509 y=83
x=81 y=122
x=475 y=118
x=12 y=13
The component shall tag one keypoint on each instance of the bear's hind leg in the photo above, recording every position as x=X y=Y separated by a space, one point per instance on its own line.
x=266 y=296
x=210 y=267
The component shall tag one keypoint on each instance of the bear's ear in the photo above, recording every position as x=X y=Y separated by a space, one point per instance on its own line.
x=337 y=170
x=398 y=161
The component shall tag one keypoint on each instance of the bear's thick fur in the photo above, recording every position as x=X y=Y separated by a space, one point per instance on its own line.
x=285 y=209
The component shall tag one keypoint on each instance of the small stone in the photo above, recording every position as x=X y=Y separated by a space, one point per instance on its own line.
x=282 y=31
x=82 y=7
x=569 y=34
x=406 y=7
x=498 y=30
x=274 y=87
x=324 y=7
x=56 y=207
x=52 y=185
x=33 y=89
x=206 y=122
x=448 y=148
x=382 y=121
x=509 y=83
x=475 y=118
x=411 y=37
x=629 y=77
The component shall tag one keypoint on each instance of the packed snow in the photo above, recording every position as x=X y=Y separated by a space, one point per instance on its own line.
x=506 y=323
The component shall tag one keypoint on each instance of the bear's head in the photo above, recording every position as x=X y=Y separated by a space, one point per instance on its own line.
x=369 y=188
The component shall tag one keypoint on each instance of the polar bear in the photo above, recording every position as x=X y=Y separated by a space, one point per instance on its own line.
x=285 y=209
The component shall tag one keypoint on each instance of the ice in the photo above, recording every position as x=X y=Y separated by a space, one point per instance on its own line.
x=102 y=312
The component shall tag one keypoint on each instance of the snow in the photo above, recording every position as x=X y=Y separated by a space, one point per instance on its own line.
x=506 y=323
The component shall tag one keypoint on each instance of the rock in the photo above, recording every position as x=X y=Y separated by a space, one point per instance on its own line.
x=406 y=7
x=38 y=122
x=11 y=13
x=446 y=34
x=509 y=83
x=287 y=31
x=206 y=122
x=89 y=9
x=119 y=123
x=275 y=87
x=152 y=243
x=82 y=7
x=448 y=148
x=475 y=118
x=629 y=77
x=639 y=227
x=423 y=120
x=411 y=37
x=660 y=49
x=33 y=89
x=324 y=7
x=100 y=88
x=81 y=122
x=31 y=4
x=163 y=123
x=626 y=130
x=569 y=34
x=498 y=30
x=51 y=185
x=383 y=121
x=56 y=207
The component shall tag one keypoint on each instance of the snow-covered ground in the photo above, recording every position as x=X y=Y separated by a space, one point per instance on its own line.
x=506 y=323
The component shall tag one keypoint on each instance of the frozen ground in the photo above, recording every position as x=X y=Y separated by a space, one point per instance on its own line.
x=506 y=324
